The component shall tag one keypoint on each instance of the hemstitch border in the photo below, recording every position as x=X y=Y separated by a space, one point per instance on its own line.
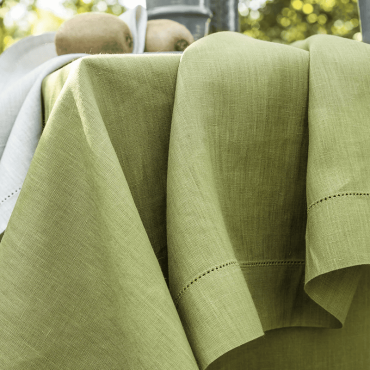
x=234 y=264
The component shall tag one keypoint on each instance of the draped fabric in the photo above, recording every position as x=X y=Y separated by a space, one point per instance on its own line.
x=208 y=210
x=23 y=66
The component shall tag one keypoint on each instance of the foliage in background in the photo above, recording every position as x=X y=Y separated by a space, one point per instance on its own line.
x=286 y=21
x=282 y=21
x=36 y=21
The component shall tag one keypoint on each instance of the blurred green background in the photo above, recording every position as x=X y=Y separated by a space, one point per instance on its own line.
x=283 y=21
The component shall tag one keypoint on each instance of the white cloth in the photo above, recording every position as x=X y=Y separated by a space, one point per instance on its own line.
x=136 y=19
x=23 y=66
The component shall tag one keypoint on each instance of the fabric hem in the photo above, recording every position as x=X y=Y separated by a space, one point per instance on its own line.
x=236 y=302
x=218 y=314
x=336 y=251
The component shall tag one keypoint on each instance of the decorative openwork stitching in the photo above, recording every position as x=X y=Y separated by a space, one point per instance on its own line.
x=273 y=263
x=241 y=264
x=334 y=196
x=9 y=196
x=203 y=274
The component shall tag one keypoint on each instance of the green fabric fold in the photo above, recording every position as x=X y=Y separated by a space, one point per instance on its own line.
x=180 y=206
x=228 y=109
x=81 y=285
x=338 y=176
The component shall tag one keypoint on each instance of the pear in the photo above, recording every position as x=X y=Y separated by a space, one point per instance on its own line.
x=166 y=35
x=94 y=33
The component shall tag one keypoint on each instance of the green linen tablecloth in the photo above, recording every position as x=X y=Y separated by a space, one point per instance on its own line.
x=208 y=210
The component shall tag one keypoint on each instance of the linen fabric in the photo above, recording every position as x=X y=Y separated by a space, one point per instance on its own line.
x=23 y=66
x=21 y=129
x=198 y=211
x=24 y=56
x=136 y=18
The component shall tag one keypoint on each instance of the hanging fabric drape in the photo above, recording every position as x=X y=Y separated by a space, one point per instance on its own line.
x=208 y=210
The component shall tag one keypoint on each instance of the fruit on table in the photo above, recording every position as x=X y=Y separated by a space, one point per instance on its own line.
x=166 y=35
x=94 y=33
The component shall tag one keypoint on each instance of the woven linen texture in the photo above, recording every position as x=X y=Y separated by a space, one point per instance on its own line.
x=199 y=211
